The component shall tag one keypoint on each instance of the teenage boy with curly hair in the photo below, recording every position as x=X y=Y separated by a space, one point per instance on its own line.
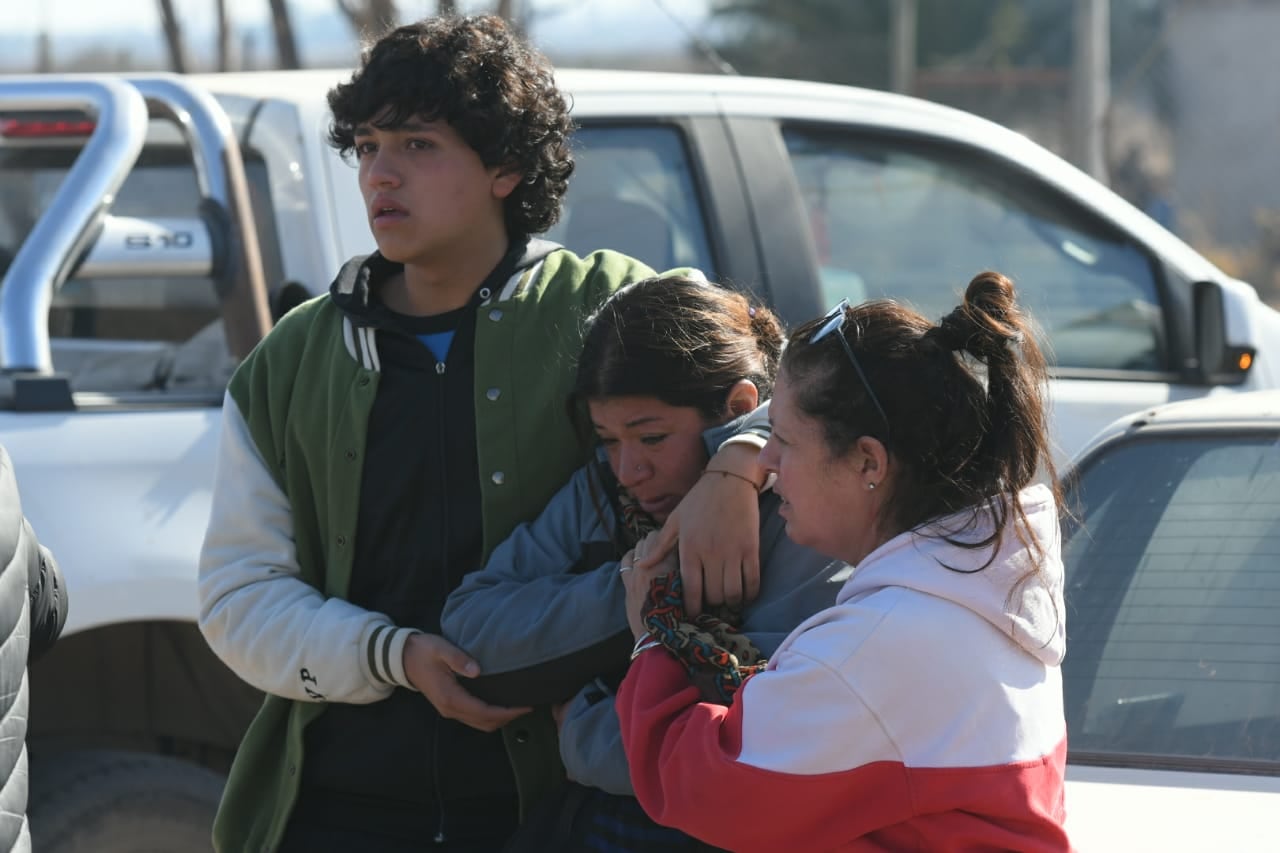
x=379 y=443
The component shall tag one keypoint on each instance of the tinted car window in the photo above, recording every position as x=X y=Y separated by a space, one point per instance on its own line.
x=892 y=218
x=633 y=191
x=1173 y=601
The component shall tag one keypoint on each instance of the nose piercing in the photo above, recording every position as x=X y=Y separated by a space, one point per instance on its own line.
x=639 y=467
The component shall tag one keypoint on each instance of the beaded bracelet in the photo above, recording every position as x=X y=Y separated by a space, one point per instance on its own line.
x=741 y=477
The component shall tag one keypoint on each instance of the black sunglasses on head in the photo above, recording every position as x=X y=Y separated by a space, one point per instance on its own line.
x=833 y=321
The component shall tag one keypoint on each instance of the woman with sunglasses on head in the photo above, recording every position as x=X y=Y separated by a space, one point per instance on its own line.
x=670 y=366
x=923 y=711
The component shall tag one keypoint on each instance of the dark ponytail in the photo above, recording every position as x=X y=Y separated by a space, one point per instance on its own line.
x=989 y=326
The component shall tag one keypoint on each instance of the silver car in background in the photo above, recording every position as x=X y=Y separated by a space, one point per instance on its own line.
x=1172 y=675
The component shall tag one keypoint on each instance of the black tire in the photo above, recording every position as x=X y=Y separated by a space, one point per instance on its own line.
x=121 y=802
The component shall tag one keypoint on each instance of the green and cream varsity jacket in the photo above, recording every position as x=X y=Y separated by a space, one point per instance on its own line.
x=277 y=557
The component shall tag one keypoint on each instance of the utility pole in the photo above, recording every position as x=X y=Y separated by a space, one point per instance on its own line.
x=510 y=10
x=44 y=53
x=224 y=35
x=1091 y=85
x=173 y=38
x=44 y=45
x=902 y=75
x=370 y=18
x=286 y=43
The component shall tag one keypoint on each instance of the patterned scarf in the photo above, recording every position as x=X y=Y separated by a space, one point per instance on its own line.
x=715 y=654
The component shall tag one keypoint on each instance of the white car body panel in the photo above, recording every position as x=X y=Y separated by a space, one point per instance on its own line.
x=1122 y=809
x=1079 y=405
x=147 y=476
x=1253 y=409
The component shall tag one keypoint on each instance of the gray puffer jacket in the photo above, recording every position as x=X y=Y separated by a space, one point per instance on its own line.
x=33 y=608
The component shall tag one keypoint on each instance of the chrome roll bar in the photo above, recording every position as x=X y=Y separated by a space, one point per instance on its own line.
x=62 y=234
x=67 y=234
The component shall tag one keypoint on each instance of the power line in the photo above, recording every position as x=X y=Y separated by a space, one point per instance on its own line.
x=702 y=45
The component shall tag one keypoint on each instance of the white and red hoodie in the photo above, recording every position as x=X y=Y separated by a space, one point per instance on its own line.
x=922 y=712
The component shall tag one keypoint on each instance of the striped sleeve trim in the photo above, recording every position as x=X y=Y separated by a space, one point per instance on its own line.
x=384 y=654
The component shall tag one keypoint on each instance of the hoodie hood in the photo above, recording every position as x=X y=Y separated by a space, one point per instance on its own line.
x=359 y=277
x=1009 y=593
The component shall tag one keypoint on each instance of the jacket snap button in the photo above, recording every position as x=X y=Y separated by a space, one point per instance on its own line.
x=364 y=380
x=351 y=454
x=493 y=393
x=522 y=736
x=495 y=315
x=342 y=540
x=498 y=478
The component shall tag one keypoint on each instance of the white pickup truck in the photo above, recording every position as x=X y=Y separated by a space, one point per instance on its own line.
x=152 y=227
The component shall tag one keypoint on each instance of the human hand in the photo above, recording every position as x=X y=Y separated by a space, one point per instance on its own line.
x=716 y=656
x=637 y=579
x=717 y=526
x=432 y=664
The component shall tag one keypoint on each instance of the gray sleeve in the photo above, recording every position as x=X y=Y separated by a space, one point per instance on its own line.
x=546 y=613
x=795 y=583
x=591 y=742
x=752 y=428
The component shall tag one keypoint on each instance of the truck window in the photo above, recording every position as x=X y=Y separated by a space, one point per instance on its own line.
x=1173 y=597
x=895 y=218
x=633 y=191
x=117 y=335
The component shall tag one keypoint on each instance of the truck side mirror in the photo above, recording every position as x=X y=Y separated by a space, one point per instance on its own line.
x=1219 y=359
